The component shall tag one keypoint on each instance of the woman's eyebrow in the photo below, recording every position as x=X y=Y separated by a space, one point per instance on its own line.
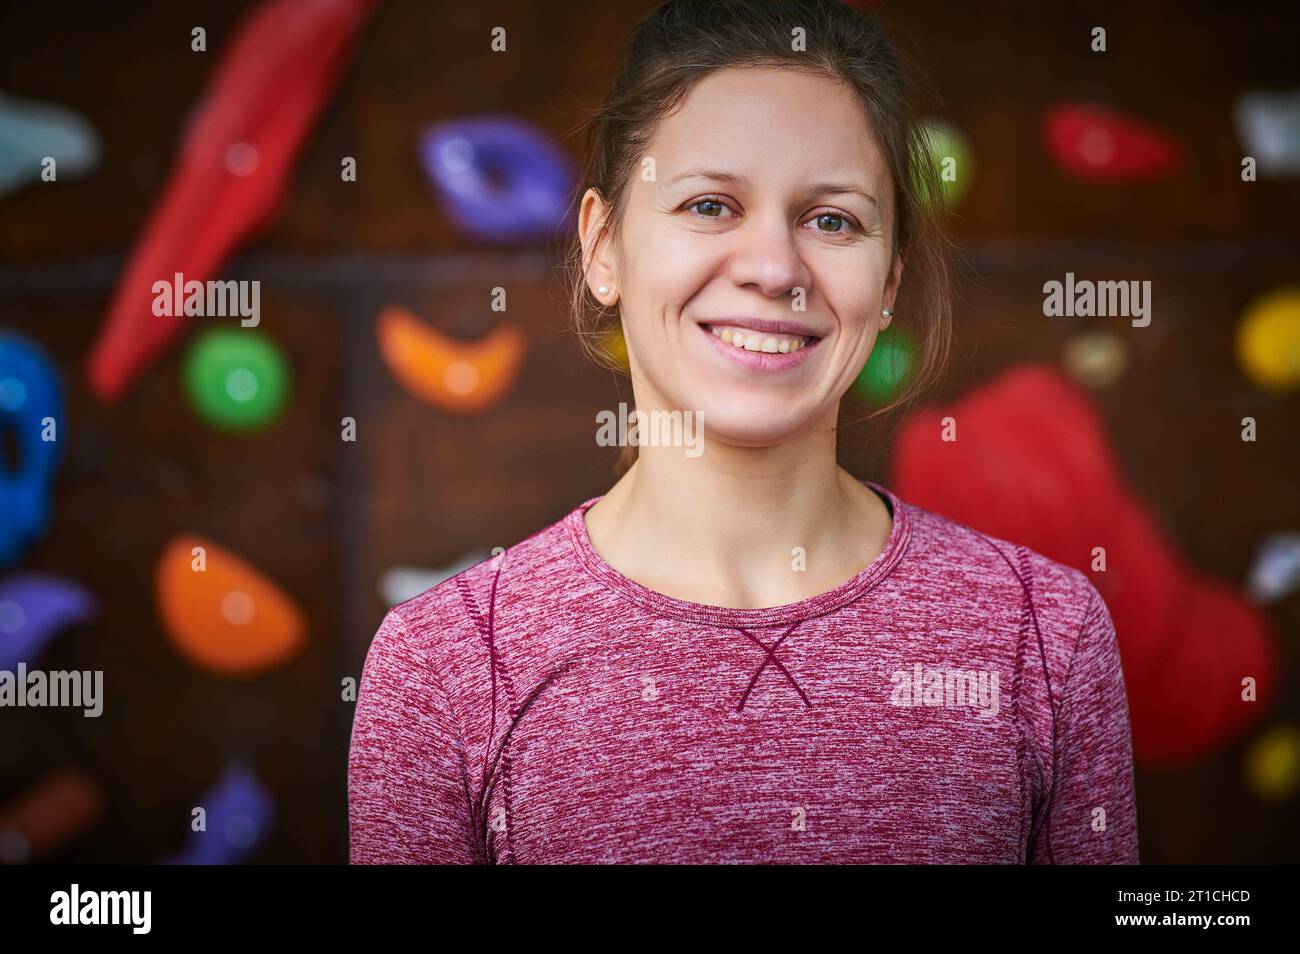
x=819 y=188
x=720 y=175
x=836 y=188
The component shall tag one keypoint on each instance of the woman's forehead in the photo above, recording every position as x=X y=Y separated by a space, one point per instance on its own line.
x=766 y=123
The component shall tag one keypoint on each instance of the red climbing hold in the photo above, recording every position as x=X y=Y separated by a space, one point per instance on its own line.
x=1094 y=142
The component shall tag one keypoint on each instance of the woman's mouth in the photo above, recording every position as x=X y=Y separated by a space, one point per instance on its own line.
x=750 y=340
x=759 y=350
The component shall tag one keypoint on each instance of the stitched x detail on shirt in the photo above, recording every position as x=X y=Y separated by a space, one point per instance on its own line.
x=770 y=657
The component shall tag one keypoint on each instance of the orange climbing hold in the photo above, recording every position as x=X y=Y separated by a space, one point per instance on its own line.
x=223 y=614
x=461 y=377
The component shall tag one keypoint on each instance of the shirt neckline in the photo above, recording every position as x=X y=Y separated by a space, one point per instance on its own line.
x=693 y=612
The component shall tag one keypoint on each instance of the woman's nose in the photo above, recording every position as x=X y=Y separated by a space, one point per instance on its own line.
x=766 y=258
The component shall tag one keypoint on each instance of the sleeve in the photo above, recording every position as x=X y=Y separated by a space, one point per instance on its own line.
x=1092 y=813
x=408 y=791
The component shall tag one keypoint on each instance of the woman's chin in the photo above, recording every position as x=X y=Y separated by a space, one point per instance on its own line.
x=751 y=426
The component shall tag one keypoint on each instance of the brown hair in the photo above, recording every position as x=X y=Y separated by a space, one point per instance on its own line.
x=680 y=43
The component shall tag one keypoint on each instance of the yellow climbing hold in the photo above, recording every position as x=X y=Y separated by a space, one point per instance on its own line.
x=1268 y=340
x=1273 y=763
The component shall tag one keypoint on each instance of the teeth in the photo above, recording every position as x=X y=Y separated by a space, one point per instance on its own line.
x=757 y=341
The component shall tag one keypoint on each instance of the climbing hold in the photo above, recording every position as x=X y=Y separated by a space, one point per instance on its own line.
x=221 y=613
x=239 y=812
x=50 y=815
x=1268 y=340
x=892 y=361
x=614 y=345
x=236 y=379
x=952 y=157
x=464 y=378
x=1275 y=571
x=32 y=131
x=499 y=178
x=1094 y=142
x=1095 y=359
x=1272 y=763
x=1268 y=124
x=231 y=171
x=31 y=409
x=401 y=583
x=34 y=608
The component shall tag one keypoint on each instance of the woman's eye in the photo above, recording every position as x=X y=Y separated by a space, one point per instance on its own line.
x=833 y=223
x=828 y=223
x=712 y=208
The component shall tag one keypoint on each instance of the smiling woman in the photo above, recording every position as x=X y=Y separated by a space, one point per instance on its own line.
x=806 y=153
x=741 y=652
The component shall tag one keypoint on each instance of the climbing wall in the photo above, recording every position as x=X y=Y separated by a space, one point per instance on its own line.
x=225 y=510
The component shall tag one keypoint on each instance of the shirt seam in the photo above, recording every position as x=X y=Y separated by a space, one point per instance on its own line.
x=1059 y=739
x=1027 y=605
x=495 y=662
x=1025 y=741
x=462 y=750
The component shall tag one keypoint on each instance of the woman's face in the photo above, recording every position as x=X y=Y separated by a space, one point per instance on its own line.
x=764 y=217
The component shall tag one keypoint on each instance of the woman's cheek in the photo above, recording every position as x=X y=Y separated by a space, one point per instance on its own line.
x=685 y=248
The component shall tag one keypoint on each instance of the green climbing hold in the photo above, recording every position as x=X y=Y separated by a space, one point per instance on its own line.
x=951 y=155
x=892 y=361
x=237 y=380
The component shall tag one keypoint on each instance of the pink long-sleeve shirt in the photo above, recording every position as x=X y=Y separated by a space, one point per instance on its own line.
x=960 y=700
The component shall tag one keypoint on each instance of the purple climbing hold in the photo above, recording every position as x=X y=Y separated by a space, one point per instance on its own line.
x=34 y=608
x=240 y=811
x=499 y=178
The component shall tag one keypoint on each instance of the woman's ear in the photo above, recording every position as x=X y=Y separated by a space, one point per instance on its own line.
x=596 y=266
x=891 y=291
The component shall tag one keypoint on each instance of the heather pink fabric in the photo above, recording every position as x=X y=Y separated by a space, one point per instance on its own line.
x=540 y=707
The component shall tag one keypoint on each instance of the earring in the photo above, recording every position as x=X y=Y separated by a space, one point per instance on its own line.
x=886 y=312
x=601 y=290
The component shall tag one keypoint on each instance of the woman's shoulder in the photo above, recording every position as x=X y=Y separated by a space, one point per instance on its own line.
x=983 y=564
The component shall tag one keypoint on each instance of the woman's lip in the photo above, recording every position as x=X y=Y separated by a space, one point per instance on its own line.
x=760 y=360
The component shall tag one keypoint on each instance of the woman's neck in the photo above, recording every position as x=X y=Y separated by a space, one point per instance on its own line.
x=739 y=527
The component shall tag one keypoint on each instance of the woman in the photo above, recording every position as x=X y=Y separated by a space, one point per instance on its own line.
x=741 y=653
